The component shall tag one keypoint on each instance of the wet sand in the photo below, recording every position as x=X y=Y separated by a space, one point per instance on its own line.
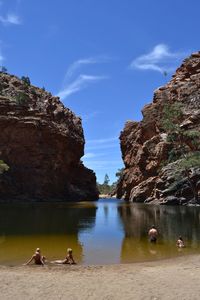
x=176 y=278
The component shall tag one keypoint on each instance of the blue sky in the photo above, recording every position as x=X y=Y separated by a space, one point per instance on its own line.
x=104 y=58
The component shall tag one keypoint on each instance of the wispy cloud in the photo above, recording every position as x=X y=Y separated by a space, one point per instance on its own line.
x=101 y=147
x=103 y=141
x=90 y=115
x=10 y=19
x=160 y=59
x=89 y=155
x=1 y=58
x=83 y=62
x=98 y=144
x=81 y=82
x=75 y=81
x=1 y=55
x=77 y=65
x=103 y=164
x=99 y=158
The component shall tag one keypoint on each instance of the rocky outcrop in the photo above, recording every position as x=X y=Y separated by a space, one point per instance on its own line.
x=144 y=145
x=42 y=142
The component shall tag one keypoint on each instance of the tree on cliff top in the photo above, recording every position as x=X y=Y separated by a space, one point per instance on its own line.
x=185 y=145
x=26 y=80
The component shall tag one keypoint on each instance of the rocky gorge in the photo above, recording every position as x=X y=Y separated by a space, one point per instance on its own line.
x=42 y=142
x=148 y=175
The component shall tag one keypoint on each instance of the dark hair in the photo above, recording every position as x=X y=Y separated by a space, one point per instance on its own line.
x=153 y=226
x=180 y=238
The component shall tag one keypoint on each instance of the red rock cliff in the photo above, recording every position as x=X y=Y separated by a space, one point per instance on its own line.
x=42 y=142
x=143 y=144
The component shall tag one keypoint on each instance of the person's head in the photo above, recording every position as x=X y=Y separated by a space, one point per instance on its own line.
x=69 y=251
x=153 y=226
x=37 y=250
x=180 y=238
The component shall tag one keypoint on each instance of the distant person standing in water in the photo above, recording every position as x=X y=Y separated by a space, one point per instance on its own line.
x=180 y=242
x=37 y=258
x=153 y=233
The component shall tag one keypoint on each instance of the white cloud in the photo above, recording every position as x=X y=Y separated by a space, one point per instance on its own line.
x=89 y=155
x=99 y=158
x=98 y=144
x=100 y=147
x=74 y=82
x=78 y=64
x=103 y=164
x=102 y=141
x=84 y=62
x=90 y=115
x=1 y=55
x=160 y=59
x=1 y=58
x=10 y=19
x=78 y=84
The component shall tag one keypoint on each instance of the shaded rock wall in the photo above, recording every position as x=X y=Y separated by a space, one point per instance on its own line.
x=42 y=142
x=143 y=144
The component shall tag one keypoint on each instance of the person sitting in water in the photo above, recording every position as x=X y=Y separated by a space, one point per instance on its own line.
x=37 y=258
x=153 y=233
x=180 y=243
x=68 y=259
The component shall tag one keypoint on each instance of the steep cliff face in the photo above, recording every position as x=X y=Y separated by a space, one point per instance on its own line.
x=42 y=142
x=143 y=144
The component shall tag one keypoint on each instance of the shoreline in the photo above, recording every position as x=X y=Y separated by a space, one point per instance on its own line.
x=174 y=278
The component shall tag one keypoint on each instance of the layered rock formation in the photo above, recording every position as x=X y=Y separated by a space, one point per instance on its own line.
x=144 y=146
x=42 y=143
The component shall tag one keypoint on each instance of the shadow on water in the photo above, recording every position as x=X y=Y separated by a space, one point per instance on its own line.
x=52 y=227
x=45 y=218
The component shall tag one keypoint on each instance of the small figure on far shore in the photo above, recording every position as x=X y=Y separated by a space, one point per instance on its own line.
x=69 y=259
x=180 y=242
x=153 y=233
x=37 y=258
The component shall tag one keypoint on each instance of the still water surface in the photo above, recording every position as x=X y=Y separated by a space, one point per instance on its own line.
x=103 y=232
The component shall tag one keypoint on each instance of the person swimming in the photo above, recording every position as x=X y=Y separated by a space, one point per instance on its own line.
x=37 y=258
x=69 y=259
x=153 y=233
x=180 y=243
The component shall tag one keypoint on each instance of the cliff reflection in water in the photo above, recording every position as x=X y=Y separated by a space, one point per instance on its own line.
x=170 y=221
x=54 y=228
x=105 y=232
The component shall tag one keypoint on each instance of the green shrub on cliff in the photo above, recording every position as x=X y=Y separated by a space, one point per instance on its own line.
x=21 y=98
x=3 y=167
x=185 y=146
x=119 y=174
x=3 y=70
x=26 y=80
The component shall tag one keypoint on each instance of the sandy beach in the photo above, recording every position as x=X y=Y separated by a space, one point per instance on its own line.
x=167 y=279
